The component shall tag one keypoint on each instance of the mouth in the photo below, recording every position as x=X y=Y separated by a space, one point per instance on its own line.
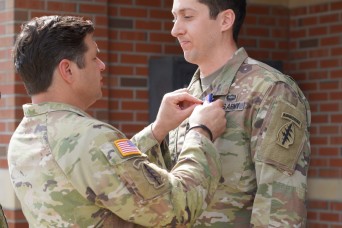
x=184 y=44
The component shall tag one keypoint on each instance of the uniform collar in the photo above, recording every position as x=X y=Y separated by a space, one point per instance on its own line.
x=46 y=107
x=221 y=85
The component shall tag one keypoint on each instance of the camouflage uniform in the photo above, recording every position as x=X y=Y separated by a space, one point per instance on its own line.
x=3 y=221
x=264 y=151
x=71 y=170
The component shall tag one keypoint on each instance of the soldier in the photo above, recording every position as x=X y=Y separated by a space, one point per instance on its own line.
x=265 y=149
x=3 y=221
x=71 y=170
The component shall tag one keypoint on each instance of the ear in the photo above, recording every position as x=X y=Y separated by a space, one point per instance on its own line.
x=65 y=70
x=227 y=19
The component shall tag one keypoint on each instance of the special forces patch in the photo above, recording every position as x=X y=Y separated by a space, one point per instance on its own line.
x=287 y=133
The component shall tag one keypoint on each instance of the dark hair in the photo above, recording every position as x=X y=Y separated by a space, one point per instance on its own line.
x=238 y=6
x=43 y=42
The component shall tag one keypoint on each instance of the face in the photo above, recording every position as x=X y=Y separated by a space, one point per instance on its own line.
x=89 y=78
x=197 y=34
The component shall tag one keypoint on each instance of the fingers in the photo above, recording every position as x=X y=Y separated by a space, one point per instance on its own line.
x=212 y=115
x=182 y=97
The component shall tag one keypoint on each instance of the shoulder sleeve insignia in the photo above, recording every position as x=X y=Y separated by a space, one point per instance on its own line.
x=286 y=134
x=283 y=136
x=126 y=147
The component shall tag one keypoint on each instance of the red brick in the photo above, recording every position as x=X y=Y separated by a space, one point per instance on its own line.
x=308 y=21
x=93 y=8
x=316 y=204
x=318 y=163
x=133 y=35
x=318 y=31
x=331 y=130
x=134 y=105
x=330 y=18
x=336 y=140
x=330 y=41
x=161 y=14
x=141 y=71
x=318 y=140
x=329 y=63
x=137 y=59
x=148 y=48
x=142 y=117
x=162 y=37
x=132 y=128
x=133 y=12
x=269 y=44
x=327 y=151
x=258 y=10
x=121 y=46
x=331 y=107
x=317 y=9
x=335 y=28
x=335 y=95
x=121 y=116
x=61 y=6
x=121 y=94
x=308 y=64
x=148 y=25
x=336 y=118
x=329 y=173
x=148 y=3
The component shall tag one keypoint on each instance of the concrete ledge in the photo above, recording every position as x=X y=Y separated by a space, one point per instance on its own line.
x=325 y=189
x=290 y=3
x=8 y=199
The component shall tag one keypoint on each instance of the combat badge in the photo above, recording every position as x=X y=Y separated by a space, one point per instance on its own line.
x=126 y=147
x=286 y=134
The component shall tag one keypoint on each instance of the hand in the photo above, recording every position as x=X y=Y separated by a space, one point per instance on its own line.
x=174 y=109
x=211 y=115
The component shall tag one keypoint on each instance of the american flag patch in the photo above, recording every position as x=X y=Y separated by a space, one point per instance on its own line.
x=126 y=147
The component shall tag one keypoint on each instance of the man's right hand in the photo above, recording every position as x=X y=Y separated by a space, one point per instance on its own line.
x=175 y=107
x=211 y=115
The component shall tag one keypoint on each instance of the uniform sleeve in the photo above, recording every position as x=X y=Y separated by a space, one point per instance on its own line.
x=114 y=174
x=148 y=145
x=281 y=158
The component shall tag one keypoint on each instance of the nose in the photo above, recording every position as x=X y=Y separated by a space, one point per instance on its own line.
x=177 y=29
x=102 y=65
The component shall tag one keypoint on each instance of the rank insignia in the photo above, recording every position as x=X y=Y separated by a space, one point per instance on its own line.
x=286 y=134
x=126 y=147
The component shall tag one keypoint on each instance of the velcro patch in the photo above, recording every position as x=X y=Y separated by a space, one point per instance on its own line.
x=126 y=147
x=285 y=135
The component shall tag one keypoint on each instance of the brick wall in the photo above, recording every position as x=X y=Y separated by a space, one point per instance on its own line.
x=316 y=63
x=129 y=32
x=308 y=39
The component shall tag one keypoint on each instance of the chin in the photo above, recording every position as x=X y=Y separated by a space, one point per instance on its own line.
x=189 y=58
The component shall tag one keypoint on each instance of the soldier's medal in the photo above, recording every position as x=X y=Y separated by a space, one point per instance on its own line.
x=286 y=134
x=126 y=147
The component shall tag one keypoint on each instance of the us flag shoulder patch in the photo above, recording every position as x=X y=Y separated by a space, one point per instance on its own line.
x=126 y=147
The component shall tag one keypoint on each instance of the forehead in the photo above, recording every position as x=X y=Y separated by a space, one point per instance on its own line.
x=89 y=41
x=188 y=5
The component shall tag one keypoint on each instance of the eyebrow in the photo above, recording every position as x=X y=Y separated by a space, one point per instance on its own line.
x=182 y=10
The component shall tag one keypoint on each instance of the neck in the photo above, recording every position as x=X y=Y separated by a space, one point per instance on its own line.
x=215 y=61
x=58 y=98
